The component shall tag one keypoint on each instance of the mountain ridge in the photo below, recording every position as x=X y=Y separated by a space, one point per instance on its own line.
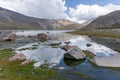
x=111 y=20
x=10 y=20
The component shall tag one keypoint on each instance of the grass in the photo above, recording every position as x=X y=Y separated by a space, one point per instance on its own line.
x=99 y=32
x=13 y=71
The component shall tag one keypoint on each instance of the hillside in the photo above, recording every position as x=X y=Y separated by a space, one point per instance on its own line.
x=109 y=21
x=10 y=20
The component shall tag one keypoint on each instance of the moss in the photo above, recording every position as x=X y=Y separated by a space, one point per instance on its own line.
x=13 y=71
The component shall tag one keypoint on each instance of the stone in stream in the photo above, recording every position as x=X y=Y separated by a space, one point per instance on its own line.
x=107 y=61
x=118 y=49
x=10 y=37
x=43 y=37
x=88 y=44
x=17 y=57
x=74 y=53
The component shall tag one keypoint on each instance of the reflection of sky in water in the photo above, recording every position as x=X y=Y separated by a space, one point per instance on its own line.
x=48 y=55
x=97 y=49
x=43 y=54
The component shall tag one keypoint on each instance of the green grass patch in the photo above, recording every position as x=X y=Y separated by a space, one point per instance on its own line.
x=99 y=32
x=13 y=70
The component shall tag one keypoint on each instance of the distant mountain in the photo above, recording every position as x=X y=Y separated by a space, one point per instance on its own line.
x=10 y=20
x=109 y=21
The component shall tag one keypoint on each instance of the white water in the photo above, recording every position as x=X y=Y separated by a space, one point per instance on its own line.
x=45 y=54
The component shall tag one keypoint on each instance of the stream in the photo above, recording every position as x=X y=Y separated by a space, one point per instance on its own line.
x=45 y=53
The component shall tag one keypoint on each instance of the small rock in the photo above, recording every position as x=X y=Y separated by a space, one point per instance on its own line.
x=43 y=37
x=16 y=57
x=118 y=49
x=67 y=42
x=75 y=53
x=88 y=44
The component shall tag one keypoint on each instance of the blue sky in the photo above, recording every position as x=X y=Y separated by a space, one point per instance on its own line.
x=74 y=10
x=73 y=3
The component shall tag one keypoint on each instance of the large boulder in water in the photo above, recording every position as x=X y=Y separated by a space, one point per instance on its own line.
x=10 y=37
x=107 y=61
x=75 y=53
x=43 y=37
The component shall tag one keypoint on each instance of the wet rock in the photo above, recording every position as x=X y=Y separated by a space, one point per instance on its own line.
x=118 y=49
x=43 y=37
x=10 y=37
x=107 y=61
x=26 y=62
x=74 y=53
x=67 y=42
x=88 y=44
x=17 y=57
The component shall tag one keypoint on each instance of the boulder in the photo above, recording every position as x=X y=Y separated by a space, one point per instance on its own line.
x=17 y=57
x=107 y=61
x=43 y=37
x=10 y=37
x=75 y=53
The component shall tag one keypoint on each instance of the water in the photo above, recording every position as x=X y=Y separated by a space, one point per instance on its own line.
x=44 y=53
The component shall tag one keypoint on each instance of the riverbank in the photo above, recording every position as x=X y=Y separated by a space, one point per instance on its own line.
x=115 y=33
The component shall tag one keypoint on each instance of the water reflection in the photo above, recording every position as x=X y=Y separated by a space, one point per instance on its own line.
x=71 y=63
x=56 y=37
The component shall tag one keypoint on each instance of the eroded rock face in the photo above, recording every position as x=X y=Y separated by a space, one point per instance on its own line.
x=17 y=57
x=43 y=37
x=107 y=61
x=75 y=53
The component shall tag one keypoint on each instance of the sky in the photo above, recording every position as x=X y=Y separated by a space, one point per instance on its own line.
x=74 y=10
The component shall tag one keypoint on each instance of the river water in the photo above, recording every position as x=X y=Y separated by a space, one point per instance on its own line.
x=44 y=53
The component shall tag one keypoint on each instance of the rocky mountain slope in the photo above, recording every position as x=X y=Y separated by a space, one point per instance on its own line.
x=10 y=20
x=109 y=21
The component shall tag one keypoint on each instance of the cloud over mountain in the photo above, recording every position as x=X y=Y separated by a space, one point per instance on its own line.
x=38 y=8
x=56 y=9
x=85 y=12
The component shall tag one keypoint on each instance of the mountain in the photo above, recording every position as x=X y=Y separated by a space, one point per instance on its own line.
x=109 y=21
x=10 y=20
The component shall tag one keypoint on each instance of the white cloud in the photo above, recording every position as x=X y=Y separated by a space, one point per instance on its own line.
x=86 y=12
x=38 y=8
